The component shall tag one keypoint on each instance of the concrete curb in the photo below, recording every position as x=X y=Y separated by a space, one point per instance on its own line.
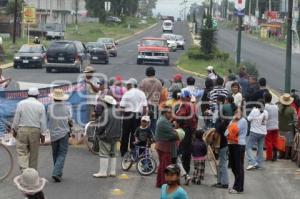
x=9 y=65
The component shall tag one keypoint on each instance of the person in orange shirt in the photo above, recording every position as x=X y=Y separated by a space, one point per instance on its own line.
x=164 y=95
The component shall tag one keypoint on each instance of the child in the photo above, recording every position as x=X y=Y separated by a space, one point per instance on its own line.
x=31 y=184
x=172 y=189
x=177 y=160
x=143 y=134
x=199 y=151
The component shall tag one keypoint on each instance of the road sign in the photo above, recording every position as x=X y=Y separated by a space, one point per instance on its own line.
x=214 y=24
x=240 y=4
x=29 y=15
x=107 y=5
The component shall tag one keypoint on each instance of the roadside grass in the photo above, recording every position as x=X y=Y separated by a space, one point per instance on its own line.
x=86 y=32
x=199 y=66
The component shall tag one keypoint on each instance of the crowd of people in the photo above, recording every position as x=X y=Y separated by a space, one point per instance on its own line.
x=239 y=107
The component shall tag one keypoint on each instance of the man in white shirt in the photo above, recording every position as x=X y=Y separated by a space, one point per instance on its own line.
x=134 y=105
x=272 y=128
x=29 y=127
x=3 y=82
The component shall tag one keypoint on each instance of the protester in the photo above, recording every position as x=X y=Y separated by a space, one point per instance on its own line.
x=172 y=189
x=237 y=131
x=3 y=82
x=259 y=95
x=243 y=82
x=36 y=40
x=252 y=89
x=59 y=124
x=152 y=88
x=287 y=117
x=164 y=95
x=29 y=127
x=195 y=92
x=272 y=128
x=92 y=90
x=30 y=184
x=165 y=138
x=258 y=118
x=230 y=80
x=184 y=112
x=175 y=99
x=103 y=91
x=143 y=134
x=117 y=89
x=205 y=102
x=176 y=83
x=109 y=133
x=236 y=94
x=199 y=152
x=211 y=73
x=134 y=105
x=226 y=112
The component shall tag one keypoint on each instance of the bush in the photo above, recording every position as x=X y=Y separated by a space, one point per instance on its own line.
x=251 y=68
x=208 y=41
x=197 y=54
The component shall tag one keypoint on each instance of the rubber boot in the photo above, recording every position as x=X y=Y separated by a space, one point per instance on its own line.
x=113 y=164
x=103 y=168
x=274 y=155
x=288 y=151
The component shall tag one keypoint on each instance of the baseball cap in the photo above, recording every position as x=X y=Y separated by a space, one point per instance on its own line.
x=210 y=68
x=33 y=91
x=177 y=77
x=145 y=118
x=173 y=169
x=132 y=81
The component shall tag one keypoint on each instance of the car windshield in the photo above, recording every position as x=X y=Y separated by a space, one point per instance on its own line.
x=62 y=46
x=92 y=45
x=106 y=40
x=179 y=38
x=30 y=49
x=169 y=37
x=149 y=42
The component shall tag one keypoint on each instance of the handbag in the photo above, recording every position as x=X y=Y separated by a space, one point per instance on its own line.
x=280 y=143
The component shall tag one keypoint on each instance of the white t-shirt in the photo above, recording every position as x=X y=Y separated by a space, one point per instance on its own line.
x=134 y=100
x=272 y=123
x=238 y=99
x=258 y=121
x=212 y=76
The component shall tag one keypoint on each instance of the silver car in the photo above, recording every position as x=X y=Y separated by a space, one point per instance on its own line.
x=180 y=42
x=111 y=46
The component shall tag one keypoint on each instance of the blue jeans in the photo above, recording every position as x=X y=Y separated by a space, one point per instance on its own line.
x=222 y=168
x=259 y=139
x=59 y=152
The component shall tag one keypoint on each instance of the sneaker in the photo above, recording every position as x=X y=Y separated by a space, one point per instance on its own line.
x=250 y=167
x=221 y=186
x=233 y=191
x=56 y=178
x=187 y=179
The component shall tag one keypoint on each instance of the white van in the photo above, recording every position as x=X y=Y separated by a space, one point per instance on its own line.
x=167 y=26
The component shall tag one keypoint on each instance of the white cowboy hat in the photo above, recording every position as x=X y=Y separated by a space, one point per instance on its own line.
x=58 y=94
x=110 y=100
x=89 y=69
x=286 y=99
x=210 y=68
x=29 y=182
x=146 y=118
x=33 y=92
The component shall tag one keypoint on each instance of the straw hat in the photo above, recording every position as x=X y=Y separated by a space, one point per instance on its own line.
x=58 y=94
x=286 y=99
x=89 y=69
x=29 y=182
x=110 y=100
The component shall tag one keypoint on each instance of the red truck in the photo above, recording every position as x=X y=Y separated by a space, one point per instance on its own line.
x=154 y=50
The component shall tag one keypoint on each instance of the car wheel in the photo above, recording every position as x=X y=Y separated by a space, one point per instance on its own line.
x=167 y=63
x=182 y=47
x=107 y=61
x=48 y=70
x=15 y=66
x=116 y=54
x=139 y=61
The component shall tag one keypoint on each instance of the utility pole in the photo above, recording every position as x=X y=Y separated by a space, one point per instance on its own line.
x=184 y=2
x=288 y=59
x=15 y=21
x=76 y=15
x=211 y=8
x=239 y=42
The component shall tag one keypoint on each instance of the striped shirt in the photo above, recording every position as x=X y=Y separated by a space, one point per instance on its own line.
x=216 y=92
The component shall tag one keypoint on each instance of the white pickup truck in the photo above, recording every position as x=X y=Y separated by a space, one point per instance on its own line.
x=54 y=31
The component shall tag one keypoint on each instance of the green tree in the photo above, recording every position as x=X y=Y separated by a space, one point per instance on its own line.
x=10 y=8
x=208 y=40
x=96 y=8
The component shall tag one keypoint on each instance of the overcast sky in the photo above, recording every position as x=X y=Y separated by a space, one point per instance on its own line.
x=172 y=7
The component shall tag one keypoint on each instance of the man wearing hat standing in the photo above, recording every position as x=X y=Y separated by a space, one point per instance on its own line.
x=211 y=73
x=92 y=84
x=134 y=105
x=109 y=133
x=59 y=123
x=29 y=127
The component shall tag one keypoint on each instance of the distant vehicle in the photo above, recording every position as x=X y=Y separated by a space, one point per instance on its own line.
x=178 y=19
x=154 y=50
x=167 y=26
x=30 y=56
x=111 y=45
x=113 y=19
x=180 y=42
x=171 y=39
x=54 y=31
x=168 y=18
x=98 y=52
x=67 y=55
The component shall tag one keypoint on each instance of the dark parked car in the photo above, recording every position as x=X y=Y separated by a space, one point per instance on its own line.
x=111 y=45
x=98 y=52
x=67 y=55
x=30 y=56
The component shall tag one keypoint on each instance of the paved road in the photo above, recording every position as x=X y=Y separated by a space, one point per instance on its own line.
x=270 y=60
x=274 y=182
